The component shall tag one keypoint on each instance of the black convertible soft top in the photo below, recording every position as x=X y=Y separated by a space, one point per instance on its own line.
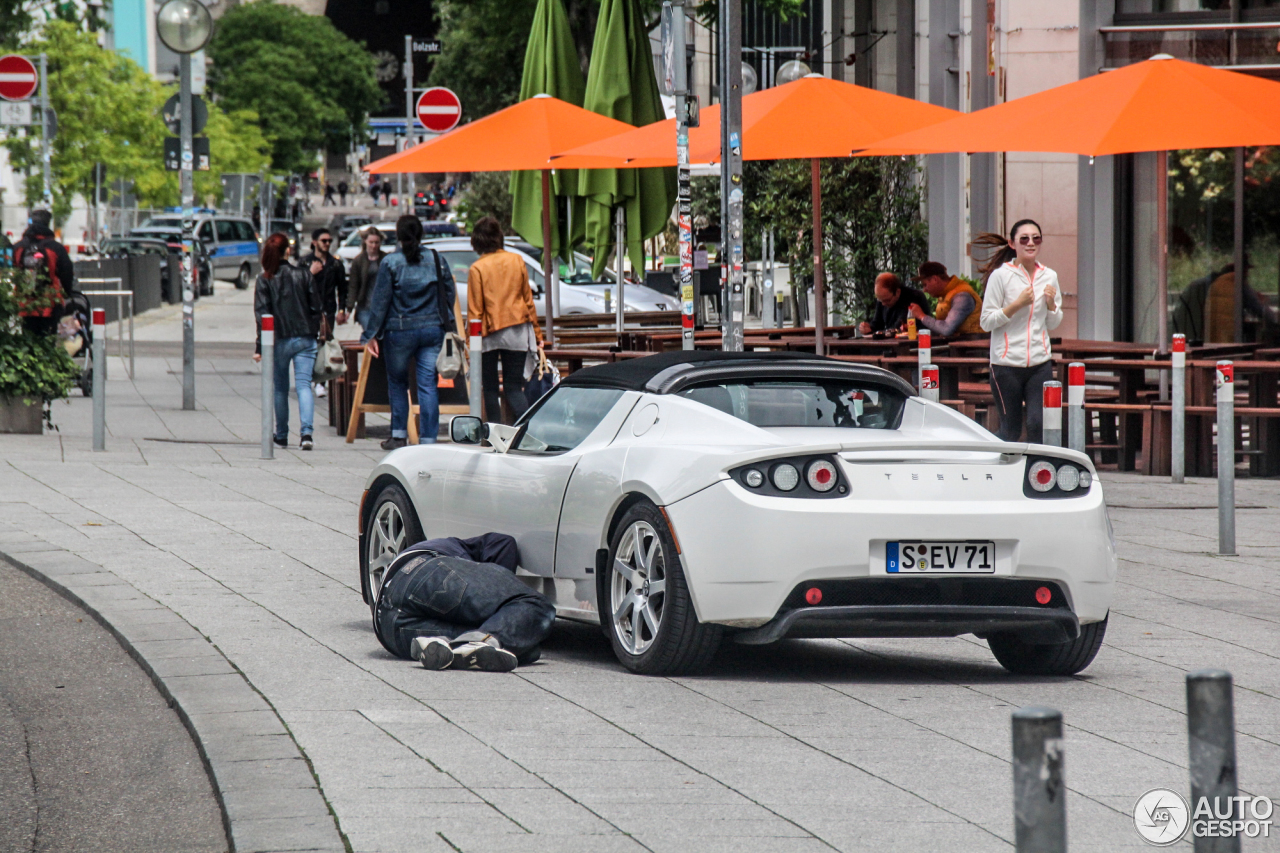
x=669 y=372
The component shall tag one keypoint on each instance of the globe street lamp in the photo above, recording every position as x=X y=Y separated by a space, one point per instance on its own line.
x=184 y=26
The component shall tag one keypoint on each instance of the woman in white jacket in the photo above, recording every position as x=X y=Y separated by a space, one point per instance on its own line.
x=1020 y=306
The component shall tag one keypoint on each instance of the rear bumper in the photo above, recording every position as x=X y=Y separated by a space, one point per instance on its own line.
x=1033 y=624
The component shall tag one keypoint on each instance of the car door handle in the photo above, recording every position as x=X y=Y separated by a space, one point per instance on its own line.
x=424 y=475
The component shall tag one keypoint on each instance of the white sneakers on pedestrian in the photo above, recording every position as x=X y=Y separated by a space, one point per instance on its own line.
x=321 y=390
x=485 y=654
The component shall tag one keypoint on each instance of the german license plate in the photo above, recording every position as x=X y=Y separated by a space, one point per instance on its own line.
x=917 y=557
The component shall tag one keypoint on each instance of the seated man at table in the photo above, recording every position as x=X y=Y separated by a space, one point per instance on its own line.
x=457 y=603
x=892 y=301
x=959 y=308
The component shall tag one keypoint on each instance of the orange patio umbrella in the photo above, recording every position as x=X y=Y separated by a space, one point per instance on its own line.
x=520 y=137
x=1160 y=104
x=809 y=118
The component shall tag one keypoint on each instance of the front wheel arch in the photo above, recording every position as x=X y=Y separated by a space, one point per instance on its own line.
x=375 y=490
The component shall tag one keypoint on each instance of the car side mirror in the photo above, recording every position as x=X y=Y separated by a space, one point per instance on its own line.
x=467 y=429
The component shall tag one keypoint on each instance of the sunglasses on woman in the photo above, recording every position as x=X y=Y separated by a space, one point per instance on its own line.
x=1027 y=240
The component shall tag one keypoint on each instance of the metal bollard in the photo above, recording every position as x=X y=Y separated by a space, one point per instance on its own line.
x=1039 y=787
x=929 y=382
x=1178 y=418
x=1225 y=381
x=924 y=352
x=268 y=385
x=1211 y=740
x=1051 y=425
x=1075 y=406
x=99 y=379
x=473 y=374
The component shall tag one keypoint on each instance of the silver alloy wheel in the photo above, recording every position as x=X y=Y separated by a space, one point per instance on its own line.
x=638 y=587
x=385 y=544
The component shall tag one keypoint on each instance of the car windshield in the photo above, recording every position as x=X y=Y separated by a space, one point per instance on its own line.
x=803 y=403
x=580 y=272
x=163 y=222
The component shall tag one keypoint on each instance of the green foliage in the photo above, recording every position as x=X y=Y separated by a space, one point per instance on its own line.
x=19 y=17
x=109 y=112
x=310 y=86
x=488 y=194
x=32 y=368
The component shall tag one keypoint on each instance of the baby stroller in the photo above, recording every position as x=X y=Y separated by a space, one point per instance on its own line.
x=75 y=333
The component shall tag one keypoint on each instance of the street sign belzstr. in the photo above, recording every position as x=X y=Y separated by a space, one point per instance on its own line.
x=18 y=78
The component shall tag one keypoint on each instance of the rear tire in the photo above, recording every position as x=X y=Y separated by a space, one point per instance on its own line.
x=393 y=526
x=644 y=601
x=1066 y=658
x=244 y=278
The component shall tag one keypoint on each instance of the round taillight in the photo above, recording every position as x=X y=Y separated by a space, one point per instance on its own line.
x=753 y=478
x=821 y=475
x=1044 y=595
x=1042 y=476
x=813 y=595
x=1068 y=478
x=1086 y=479
x=786 y=477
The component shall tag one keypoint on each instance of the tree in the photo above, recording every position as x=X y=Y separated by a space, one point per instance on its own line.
x=487 y=195
x=18 y=17
x=109 y=113
x=310 y=86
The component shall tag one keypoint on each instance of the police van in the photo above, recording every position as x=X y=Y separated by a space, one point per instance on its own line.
x=231 y=241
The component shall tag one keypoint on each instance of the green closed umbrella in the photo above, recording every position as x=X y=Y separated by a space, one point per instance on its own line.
x=550 y=68
x=621 y=84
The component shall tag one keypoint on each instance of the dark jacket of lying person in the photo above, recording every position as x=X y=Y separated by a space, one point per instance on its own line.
x=457 y=603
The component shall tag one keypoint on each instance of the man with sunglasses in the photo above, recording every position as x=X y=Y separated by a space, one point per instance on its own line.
x=331 y=281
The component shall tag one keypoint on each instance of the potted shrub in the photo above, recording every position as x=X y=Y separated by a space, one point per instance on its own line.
x=35 y=370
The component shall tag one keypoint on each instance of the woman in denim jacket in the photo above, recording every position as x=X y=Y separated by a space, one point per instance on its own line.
x=411 y=306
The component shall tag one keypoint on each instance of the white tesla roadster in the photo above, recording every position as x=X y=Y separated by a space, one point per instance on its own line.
x=689 y=497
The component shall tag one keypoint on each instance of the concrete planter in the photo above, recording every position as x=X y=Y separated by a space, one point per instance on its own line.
x=20 y=417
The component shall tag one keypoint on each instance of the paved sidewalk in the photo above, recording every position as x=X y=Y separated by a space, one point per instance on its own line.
x=808 y=745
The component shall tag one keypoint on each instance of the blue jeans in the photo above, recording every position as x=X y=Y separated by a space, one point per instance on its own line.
x=400 y=347
x=301 y=352
x=439 y=596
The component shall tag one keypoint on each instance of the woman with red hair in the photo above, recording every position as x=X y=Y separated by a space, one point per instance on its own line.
x=288 y=293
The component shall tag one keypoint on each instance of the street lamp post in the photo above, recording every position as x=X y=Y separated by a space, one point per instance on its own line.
x=185 y=27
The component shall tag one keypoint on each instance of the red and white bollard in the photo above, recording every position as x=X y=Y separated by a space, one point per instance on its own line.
x=924 y=351
x=1051 y=425
x=1225 y=380
x=929 y=382
x=474 y=328
x=268 y=342
x=1075 y=406
x=99 y=357
x=1178 y=418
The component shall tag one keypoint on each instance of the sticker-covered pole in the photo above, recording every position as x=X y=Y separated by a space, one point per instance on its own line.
x=1226 y=384
x=99 y=379
x=1039 y=786
x=1211 y=739
x=268 y=342
x=1052 y=423
x=924 y=354
x=1075 y=406
x=473 y=374
x=929 y=382
x=1178 y=418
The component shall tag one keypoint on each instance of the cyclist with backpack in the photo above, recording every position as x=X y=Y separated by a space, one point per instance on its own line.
x=43 y=255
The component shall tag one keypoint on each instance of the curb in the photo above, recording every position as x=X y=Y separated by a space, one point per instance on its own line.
x=267 y=793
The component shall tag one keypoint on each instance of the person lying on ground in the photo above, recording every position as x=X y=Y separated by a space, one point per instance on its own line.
x=458 y=603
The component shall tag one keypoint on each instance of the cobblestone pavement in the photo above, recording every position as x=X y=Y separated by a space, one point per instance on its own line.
x=807 y=745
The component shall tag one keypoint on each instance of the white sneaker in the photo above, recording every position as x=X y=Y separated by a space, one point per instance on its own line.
x=484 y=657
x=432 y=652
x=321 y=391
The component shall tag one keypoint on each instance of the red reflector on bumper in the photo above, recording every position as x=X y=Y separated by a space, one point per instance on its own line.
x=813 y=595
x=1044 y=595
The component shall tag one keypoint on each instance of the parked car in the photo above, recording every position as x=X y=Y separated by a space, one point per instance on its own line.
x=166 y=244
x=232 y=242
x=343 y=224
x=349 y=246
x=287 y=227
x=808 y=498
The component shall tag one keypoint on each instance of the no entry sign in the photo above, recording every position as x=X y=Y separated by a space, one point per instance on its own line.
x=439 y=109
x=18 y=78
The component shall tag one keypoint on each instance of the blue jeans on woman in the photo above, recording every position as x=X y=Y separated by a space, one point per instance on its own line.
x=301 y=353
x=399 y=348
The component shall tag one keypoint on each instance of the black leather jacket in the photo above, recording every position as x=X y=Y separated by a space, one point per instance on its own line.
x=292 y=298
x=331 y=283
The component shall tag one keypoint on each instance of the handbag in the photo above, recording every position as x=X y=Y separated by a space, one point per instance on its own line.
x=330 y=362
x=450 y=361
x=544 y=378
